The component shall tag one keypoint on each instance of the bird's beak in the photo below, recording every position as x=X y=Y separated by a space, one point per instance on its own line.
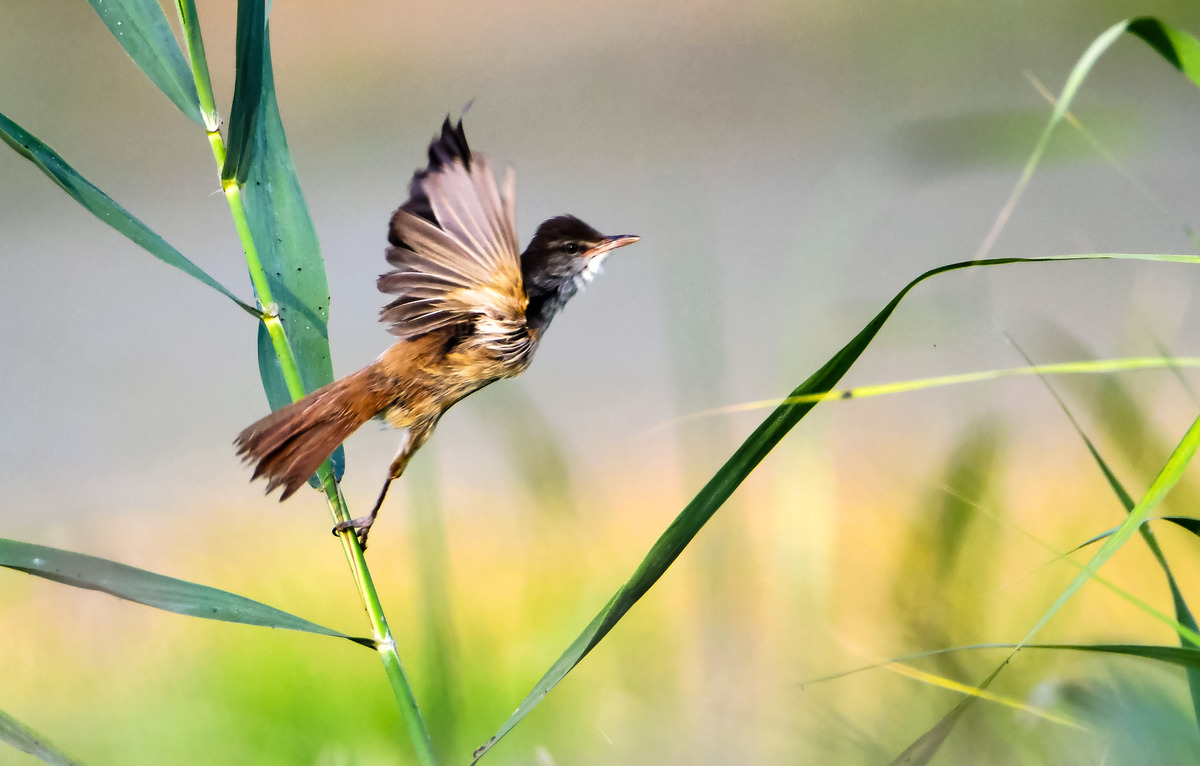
x=612 y=243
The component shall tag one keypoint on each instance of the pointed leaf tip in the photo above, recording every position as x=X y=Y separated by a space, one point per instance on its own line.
x=141 y=28
x=152 y=589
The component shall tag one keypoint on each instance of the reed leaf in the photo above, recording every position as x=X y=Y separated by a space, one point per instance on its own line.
x=189 y=19
x=1186 y=522
x=151 y=589
x=247 y=90
x=290 y=254
x=26 y=740
x=744 y=460
x=141 y=28
x=1183 y=614
x=1180 y=50
x=102 y=206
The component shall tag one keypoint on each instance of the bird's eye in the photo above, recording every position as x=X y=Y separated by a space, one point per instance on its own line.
x=571 y=248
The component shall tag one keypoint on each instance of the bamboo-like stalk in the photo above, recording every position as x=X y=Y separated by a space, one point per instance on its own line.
x=385 y=643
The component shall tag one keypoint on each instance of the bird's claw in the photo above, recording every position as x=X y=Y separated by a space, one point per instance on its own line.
x=361 y=527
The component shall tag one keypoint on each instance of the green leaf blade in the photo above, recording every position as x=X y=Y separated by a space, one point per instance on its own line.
x=151 y=589
x=1183 y=52
x=1182 y=656
x=141 y=28
x=102 y=206
x=247 y=90
x=291 y=258
x=1183 y=614
x=1180 y=49
x=744 y=460
x=26 y=740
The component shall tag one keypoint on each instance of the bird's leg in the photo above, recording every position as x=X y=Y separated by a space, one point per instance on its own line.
x=414 y=437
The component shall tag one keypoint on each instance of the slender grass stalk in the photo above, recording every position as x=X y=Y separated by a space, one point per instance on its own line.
x=385 y=643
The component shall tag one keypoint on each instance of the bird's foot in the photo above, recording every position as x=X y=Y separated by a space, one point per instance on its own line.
x=361 y=527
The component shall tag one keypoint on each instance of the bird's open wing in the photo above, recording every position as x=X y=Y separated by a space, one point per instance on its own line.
x=454 y=246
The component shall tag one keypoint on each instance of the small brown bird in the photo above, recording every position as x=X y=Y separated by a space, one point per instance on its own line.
x=468 y=309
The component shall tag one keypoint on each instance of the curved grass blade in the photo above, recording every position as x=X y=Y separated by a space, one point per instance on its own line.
x=103 y=206
x=1183 y=615
x=247 y=90
x=1187 y=522
x=141 y=28
x=1180 y=49
x=1170 y=474
x=291 y=257
x=1175 y=655
x=1107 y=534
x=26 y=740
x=713 y=495
x=927 y=745
x=151 y=589
x=1110 y=158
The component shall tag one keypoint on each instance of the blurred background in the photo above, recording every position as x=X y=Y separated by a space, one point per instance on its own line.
x=789 y=166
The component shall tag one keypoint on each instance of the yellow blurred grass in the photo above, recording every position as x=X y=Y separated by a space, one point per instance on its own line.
x=795 y=580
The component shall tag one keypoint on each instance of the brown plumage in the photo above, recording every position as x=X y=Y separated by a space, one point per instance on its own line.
x=467 y=308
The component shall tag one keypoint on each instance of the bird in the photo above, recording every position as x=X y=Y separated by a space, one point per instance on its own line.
x=468 y=309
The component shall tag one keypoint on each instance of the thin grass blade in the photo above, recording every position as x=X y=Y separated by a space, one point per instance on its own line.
x=151 y=589
x=1183 y=615
x=744 y=460
x=26 y=740
x=949 y=684
x=102 y=206
x=1179 y=50
x=1083 y=367
x=444 y=696
x=247 y=90
x=925 y=747
x=1182 y=656
x=141 y=28
x=291 y=257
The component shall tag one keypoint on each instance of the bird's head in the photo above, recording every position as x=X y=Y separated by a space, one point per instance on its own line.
x=565 y=254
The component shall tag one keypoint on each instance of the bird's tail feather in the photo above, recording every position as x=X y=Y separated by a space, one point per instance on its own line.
x=289 y=445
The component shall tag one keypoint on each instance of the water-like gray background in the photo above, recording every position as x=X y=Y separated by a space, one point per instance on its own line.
x=789 y=165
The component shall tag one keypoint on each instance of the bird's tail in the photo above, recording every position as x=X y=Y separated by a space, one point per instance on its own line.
x=289 y=445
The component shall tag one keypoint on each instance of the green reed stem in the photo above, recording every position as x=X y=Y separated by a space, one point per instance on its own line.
x=385 y=643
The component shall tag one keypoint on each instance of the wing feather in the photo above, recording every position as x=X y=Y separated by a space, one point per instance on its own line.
x=407 y=261
x=508 y=207
x=452 y=194
x=454 y=253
